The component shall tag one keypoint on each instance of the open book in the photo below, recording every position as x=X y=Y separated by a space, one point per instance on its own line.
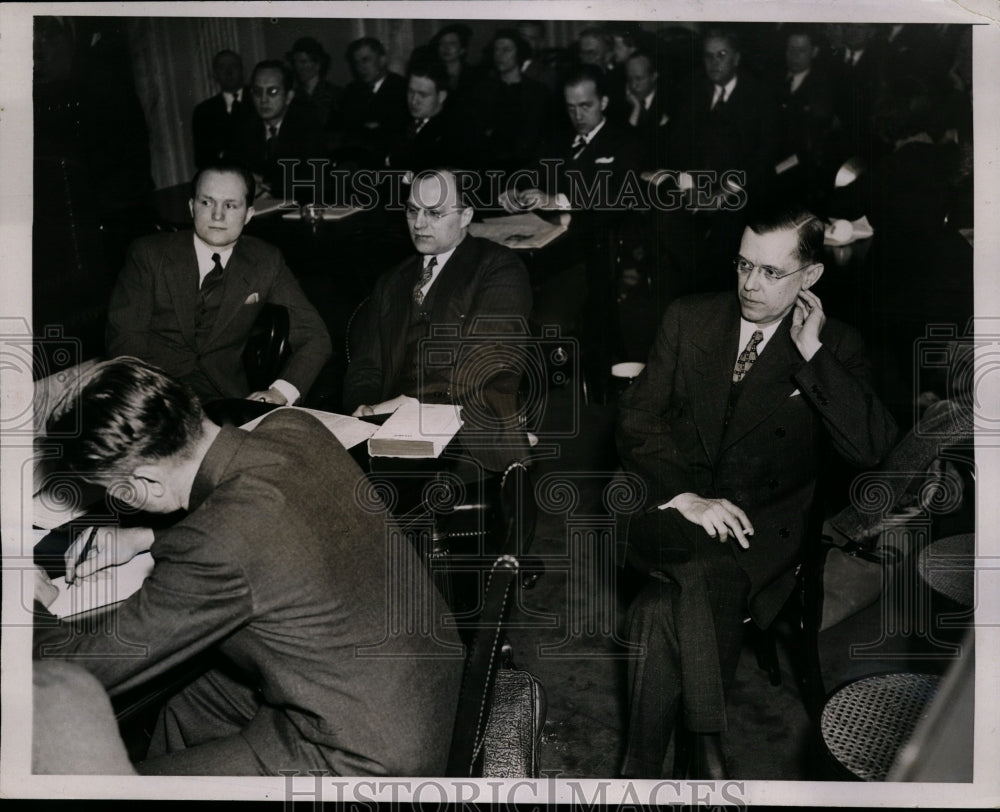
x=416 y=430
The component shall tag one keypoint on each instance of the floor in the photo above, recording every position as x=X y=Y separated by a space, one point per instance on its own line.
x=567 y=631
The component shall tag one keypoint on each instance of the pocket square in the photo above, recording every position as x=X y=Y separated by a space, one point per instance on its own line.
x=253 y=298
x=795 y=393
x=609 y=160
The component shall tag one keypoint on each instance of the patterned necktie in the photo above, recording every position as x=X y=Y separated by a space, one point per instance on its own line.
x=425 y=277
x=747 y=357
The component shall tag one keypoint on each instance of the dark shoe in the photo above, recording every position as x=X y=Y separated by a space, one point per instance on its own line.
x=707 y=759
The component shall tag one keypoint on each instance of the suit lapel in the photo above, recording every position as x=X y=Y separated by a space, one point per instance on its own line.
x=452 y=276
x=713 y=355
x=766 y=386
x=235 y=287
x=180 y=271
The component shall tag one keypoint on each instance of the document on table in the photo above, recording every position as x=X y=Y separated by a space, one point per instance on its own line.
x=416 y=430
x=526 y=230
x=348 y=430
x=265 y=204
x=102 y=588
x=325 y=213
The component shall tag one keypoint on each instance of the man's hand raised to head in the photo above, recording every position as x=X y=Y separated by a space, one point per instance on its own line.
x=807 y=321
x=719 y=517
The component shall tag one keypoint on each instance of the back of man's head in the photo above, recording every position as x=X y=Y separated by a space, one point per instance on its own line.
x=125 y=413
x=794 y=217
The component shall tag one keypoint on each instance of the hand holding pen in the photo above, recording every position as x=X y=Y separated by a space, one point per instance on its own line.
x=103 y=547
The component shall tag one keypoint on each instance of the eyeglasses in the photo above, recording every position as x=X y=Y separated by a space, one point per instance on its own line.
x=434 y=215
x=744 y=267
x=260 y=92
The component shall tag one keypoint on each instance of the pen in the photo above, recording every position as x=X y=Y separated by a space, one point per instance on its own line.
x=86 y=549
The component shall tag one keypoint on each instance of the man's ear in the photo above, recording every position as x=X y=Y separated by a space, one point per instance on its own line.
x=604 y=103
x=466 y=216
x=191 y=206
x=736 y=59
x=250 y=214
x=150 y=478
x=811 y=275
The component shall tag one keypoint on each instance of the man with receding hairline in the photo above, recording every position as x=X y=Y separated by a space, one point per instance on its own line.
x=726 y=426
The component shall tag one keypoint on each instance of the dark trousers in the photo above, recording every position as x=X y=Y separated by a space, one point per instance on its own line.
x=688 y=619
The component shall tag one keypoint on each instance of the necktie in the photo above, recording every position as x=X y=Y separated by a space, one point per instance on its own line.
x=425 y=277
x=747 y=357
x=211 y=287
x=272 y=133
x=579 y=144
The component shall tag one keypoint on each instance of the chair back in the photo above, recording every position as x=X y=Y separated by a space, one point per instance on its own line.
x=481 y=667
x=266 y=348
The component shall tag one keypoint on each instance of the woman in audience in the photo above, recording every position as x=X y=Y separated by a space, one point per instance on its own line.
x=451 y=46
x=310 y=63
x=510 y=113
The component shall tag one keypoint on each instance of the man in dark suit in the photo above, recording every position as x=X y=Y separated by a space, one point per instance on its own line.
x=726 y=425
x=727 y=125
x=187 y=301
x=648 y=115
x=373 y=108
x=276 y=569
x=216 y=122
x=456 y=282
x=283 y=129
x=426 y=141
x=592 y=169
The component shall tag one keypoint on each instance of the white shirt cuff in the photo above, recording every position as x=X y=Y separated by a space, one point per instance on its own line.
x=290 y=392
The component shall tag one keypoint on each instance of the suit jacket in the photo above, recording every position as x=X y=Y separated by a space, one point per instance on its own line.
x=300 y=137
x=369 y=122
x=738 y=134
x=433 y=146
x=672 y=428
x=507 y=124
x=215 y=131
x=280 y=568
x=651 y=130
x=152 y=313
x=483 y=293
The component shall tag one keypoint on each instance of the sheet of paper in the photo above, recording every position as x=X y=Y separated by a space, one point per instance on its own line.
x=416 y=430
x=102 y=588
x=60 y=500
x=526 y=230
x=348 y=430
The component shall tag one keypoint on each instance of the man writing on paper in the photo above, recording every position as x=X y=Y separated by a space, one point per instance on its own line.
x=473 y=290
x=726 y=425
x=275 y=567
x=187 y=301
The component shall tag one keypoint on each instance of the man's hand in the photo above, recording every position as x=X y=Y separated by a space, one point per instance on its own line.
x=527 y=200
x=364 y=410
x=807 y=320
x=45 y=591
x=112 y=546
x=271 y=395
x=719 y=517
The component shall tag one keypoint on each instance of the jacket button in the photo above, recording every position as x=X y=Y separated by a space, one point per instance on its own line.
x=784 y=533
x=779 y=432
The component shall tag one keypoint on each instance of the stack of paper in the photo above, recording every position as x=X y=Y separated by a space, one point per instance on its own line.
x=416 y=430
x=518 y=230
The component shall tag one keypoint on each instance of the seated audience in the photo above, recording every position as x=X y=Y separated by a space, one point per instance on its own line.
x=217 y=121
x=310 y=62
x=276 y=569
x=726 y=425
x=648 y=115
x=428 y=140
x=187 y=301
x=451 y=46
x=283 y=129
x=595 y=46
x=454 y=281
x=373 y=109
x=509 y=115
x=543 y=64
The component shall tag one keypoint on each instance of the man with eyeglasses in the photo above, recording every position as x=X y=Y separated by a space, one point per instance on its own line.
x=282 y=129
x=726 y=426
x=458 y=285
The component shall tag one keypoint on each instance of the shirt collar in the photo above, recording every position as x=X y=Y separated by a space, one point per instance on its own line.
x=441 y=259
x=648 y=101
x=748 y=328
x=203 y=251
x=728 y=87
x=588 y=137
x=378 y=84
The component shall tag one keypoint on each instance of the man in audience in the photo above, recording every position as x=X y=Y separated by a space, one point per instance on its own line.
x=648 y=117
x=541 y=65
x=596 y=175
x=187 y=301
x=217 y=121
x=373 y=108
x=726 y=425
x=473 y=287
x=595 y=46
x=282 y=129
x=805 y=135
x=728 y=126
x=426 y=141
x=277 y=570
